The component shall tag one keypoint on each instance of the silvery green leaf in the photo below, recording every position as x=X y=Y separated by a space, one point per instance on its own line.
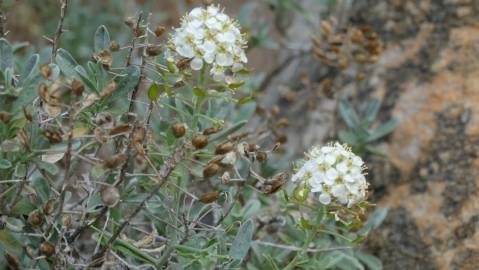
x=102 y=39
x=6 y=54
x=242 y=241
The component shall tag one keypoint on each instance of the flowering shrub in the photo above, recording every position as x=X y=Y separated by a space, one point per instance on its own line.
x=140 y=159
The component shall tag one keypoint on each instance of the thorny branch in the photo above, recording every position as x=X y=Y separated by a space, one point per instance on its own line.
x=60 y=30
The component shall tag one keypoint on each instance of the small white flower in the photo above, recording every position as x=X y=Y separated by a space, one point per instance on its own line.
x=335 y=172
x=210 y=36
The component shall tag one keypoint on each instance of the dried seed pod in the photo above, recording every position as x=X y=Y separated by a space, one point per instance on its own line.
x=159 y=30
x=229 y=159
x=54 y=136
x=153 y=50
x=183 y=63
x=104 y=120
x=282 y=123
x=211 y=170
x=27 y=114
x=46 y=71
x=326 y=28
x=199 y=141
x=108 y=90
x=252 y=147
x=179 y=130
x=274 y=184
x=275 y=110
x=139 y=135
x=12 y=261
x=282 y=139
x=77 y=87
x=67 y=220
x=261 y=156
x=47 y=249
x=43 y=92
x=5 y=117
x=115 y=161
x=209 y=197
x=211 y=130
x=114 y=46
x=48 y=207
x=119 y=129
x=139 y=31
x=35 y=218
x=223 y=148
x=110 y=196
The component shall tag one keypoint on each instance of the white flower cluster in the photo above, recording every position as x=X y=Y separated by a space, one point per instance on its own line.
x=207 y=35
x=335 y=173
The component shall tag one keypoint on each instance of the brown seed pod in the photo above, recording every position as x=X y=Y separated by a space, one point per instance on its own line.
x=54 y=136
x=209 y=197
x=274 y=184
x=5 y=117
x=77 y=87
x=47 y=249
x=119 y=129
x=282 y=139
x=48 y=207
x=27 y=114
x=275 y=110
x=46 y=71
x=179 y=130
x=211 y=170
x=223 y=148
x=183 y=63
x=199 y=141
x=43 y=92
x=252 y=147
x=159 y=30
x=153 y=50
x=12 y=261
x=282 y=123
x=115 y=161
x=261 y=156
x=139 y=31
x=110 y=196
x=35 y=218
x=211 y=130
x=114 y=46
x=108 y=90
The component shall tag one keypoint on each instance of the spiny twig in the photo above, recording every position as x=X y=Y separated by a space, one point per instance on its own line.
x=60 y=30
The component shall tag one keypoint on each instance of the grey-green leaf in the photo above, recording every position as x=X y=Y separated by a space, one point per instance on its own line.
x=66 y=62
x=242 y=243
x=372 y=110
x=30 y=68
x=383 y=130
x=102 y=39
x=6 y=54
x=5 y=164
x=348 y=113
x=372 y=262
x=48 y=167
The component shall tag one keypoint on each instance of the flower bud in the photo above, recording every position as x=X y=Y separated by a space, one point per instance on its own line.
x=211 y=170
x=209 y=197
x=77 y=87
x=199 y=141
x=114 y=47
x=153 y=50
x=261 y=156
x=301 y=193
x=115 y=161
x=47 y=249
x=46 y=71
x=35 y=218
x=159 y=30
x=179 y=130
x=224 y=148
x=110 y=196
x=211 y=130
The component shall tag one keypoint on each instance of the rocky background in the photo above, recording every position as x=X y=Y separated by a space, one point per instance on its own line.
x=428 y=78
